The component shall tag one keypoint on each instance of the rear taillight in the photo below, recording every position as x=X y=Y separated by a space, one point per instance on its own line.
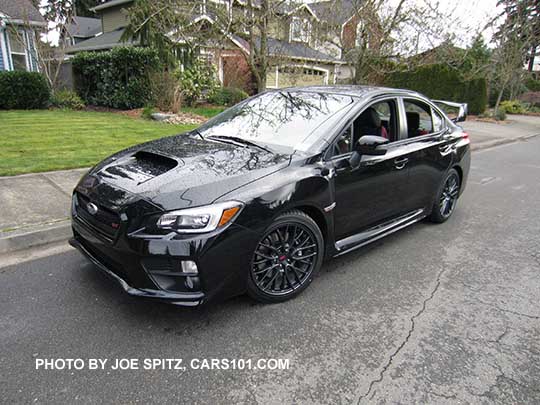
x=465 y=135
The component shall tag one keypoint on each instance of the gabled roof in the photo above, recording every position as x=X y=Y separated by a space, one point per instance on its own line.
x=22 y=10
x=336 y=12
x=110 y=3
x=84 y=27
x=104 y=41
x=292 y=50
x=297 y=50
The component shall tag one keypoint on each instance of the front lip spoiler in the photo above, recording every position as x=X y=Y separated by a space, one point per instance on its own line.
x=183 y=299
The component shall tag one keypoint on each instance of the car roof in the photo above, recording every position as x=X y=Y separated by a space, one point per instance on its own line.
x=354 y=90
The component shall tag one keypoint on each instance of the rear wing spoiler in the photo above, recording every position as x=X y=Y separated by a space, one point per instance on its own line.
x=457 y=112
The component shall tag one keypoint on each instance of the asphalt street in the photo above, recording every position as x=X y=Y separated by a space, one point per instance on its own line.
x=433 y=314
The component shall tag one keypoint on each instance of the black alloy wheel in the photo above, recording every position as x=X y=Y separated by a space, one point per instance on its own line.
x=447 y=199
x=286 y=258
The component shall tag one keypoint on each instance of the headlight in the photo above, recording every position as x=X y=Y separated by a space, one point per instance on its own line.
x=201 y=219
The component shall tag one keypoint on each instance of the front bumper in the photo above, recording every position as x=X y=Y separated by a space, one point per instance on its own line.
x=149 y=265
x=185 y=299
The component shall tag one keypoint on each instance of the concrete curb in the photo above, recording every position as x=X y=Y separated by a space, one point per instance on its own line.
x=498 y=142
x=45 y=234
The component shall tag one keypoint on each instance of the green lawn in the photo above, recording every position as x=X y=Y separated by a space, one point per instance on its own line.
x=43 y=140
x=206 y=111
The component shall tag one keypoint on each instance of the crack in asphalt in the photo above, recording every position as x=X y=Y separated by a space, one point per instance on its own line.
x=445 y=396
x=501 y=376
x=496 y=340
x=508 y=310
x=404 y=342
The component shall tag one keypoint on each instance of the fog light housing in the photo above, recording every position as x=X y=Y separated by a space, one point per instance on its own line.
x=189 y=266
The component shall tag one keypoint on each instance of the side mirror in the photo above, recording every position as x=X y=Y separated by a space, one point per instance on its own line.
x=371 y=145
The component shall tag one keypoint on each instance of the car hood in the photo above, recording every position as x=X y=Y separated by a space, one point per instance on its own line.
x=178 y=172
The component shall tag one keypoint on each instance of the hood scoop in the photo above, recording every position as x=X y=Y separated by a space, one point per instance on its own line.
x=140 y=167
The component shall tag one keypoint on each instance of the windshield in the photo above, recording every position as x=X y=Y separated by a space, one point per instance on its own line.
x=280 y=118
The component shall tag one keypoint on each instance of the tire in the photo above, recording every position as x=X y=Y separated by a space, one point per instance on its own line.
x=286 y=258
x=446 y=199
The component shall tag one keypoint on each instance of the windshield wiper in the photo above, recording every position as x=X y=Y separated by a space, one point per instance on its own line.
x=197 y=132
x=237 y=140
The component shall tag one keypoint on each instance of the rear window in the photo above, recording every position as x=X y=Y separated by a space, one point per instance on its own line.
x=278 y=117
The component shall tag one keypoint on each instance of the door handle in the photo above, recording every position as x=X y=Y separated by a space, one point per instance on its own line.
x=400 y=163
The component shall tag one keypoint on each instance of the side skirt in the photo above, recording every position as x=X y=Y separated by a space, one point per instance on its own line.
x=377 y=232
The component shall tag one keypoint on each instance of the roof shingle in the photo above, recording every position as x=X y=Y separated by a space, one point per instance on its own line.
x=21 y=10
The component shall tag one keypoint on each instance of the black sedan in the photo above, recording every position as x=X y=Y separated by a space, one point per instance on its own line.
x=255 y=199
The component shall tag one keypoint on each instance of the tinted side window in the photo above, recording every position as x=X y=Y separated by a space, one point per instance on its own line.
x=378 y=119
x=419 y=119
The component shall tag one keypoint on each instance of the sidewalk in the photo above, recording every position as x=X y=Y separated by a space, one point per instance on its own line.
x=34 y=208
x=487 y=134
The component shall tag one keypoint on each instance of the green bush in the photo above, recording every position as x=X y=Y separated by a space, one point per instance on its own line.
x=443 y=82
x=147 y=112
x=23 y=90
x=476 y=95
x=500 y=114
x=227 y=96
x=532 y=84
x=67 y=99
x=512 y=107
x=195 y=81
x=119 y=78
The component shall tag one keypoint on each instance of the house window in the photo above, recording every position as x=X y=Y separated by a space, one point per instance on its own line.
x=362 y=36
x=300 y=29
x=18 y=49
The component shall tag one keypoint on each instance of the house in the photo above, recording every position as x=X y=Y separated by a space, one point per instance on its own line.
x=80 y=29
x=20 y=23
x=306 y=44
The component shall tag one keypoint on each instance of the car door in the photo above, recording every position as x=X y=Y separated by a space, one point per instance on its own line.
x=430 y=150
x=376 y=190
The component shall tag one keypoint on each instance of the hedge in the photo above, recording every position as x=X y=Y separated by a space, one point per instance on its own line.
x=119 y=78
x=442 y=82
x=23 y=90
x=227 y=96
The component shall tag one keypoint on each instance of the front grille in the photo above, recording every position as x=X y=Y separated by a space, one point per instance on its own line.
x=161 y=265
x=104 y=221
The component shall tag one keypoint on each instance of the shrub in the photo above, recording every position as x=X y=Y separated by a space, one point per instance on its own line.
x=67 y=99
x=500 y=115
x=476 y=95
x=119 y=78
x=227 y=96
x=532 y=84
x=166 y=91
x=195 y=81
x=512 y=107
x=443 y=82
x=147 y=112
x=23 y=90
